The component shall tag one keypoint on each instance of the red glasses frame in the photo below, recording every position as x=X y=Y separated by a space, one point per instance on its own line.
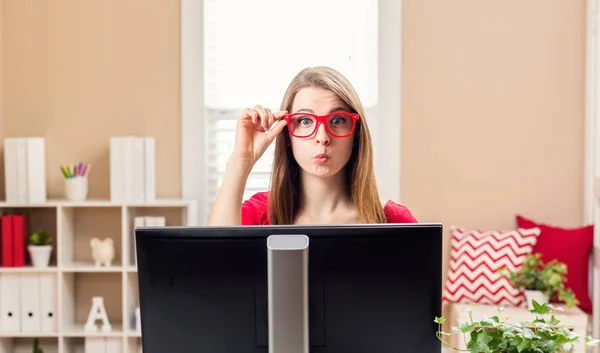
x=322 y=119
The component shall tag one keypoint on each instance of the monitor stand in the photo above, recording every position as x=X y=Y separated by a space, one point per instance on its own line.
x=288 y=293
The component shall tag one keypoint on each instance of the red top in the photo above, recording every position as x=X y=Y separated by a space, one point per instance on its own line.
x=255 y=211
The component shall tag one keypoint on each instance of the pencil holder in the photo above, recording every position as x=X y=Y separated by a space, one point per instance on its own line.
x=76 y=189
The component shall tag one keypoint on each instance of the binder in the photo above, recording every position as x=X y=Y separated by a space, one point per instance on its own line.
x=22 y=170
x=25 y=169
x=48 y=302
x=95 y=345
x=132 y=169
x=113 y=345
x=117 y=175
x=30 y=302
x=10 y=170
x=7 y=241
x=35 y=162
x=128 y=169
x=149 y=170
x=137 y=170
x=19 y=233
x=10 y=318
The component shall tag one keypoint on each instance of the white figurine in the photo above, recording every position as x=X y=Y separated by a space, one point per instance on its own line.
x=97 y=312
x=103 y=251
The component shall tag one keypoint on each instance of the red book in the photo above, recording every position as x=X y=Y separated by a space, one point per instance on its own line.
x=19 y=232
x=7 y=241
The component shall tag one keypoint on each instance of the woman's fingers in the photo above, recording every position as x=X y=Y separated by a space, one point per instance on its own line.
x=250 y=113
x=270 y=119
x=275 y=129
x=279 y=114
x=263 y=118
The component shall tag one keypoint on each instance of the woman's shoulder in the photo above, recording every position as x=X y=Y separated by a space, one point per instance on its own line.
x=255 y=210
x=396 y=213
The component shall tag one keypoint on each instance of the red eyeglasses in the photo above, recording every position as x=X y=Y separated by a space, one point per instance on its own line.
x=339 y=124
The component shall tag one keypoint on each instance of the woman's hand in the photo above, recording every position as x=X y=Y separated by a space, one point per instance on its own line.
x=256 y=130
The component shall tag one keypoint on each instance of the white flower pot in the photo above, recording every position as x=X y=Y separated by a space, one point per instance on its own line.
x=536 y=295
x=40 y=255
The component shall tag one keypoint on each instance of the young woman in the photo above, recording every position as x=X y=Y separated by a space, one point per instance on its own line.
x=323 y=167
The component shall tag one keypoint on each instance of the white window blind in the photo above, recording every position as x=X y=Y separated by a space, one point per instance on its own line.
x=254 y=48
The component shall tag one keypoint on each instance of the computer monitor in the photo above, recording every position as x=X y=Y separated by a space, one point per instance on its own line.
x=372 y=288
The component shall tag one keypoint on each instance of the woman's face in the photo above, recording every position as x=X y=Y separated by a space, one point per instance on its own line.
x=321 y=154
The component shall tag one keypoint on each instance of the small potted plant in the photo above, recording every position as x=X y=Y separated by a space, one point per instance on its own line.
x=40 y=248
x=542 y=281
x=496 y=334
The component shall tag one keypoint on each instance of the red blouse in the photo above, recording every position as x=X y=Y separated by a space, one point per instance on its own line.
x=255 y=211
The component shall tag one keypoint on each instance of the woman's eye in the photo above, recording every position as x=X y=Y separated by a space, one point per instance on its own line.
x=305 y=121
x=338 y=120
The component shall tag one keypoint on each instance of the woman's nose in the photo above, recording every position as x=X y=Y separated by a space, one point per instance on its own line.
x=322 y=136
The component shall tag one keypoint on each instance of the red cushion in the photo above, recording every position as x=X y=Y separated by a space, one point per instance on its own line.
x=571 y=246
x=475 y=260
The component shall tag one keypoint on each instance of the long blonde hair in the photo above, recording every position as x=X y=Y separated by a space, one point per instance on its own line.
x=360 y=175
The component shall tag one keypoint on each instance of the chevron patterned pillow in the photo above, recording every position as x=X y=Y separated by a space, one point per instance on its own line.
x=476 y=256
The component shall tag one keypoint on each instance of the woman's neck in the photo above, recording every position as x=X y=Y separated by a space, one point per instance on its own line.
x=322 y=197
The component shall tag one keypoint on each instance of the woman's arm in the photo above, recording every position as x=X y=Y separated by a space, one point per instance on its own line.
x=256 y=130
x=227 y=207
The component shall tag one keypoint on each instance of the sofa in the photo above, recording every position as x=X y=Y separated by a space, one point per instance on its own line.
x=474 y=282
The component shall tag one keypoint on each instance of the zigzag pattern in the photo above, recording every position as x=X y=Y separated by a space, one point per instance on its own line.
x=475 y=260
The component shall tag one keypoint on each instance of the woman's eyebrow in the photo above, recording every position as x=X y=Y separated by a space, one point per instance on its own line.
x=336 y=109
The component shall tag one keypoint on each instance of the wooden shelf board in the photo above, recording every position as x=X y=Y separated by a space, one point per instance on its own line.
x=28 y=269
x=90 y=267
x=28 y=334
x=98 y=203
x=78 y=331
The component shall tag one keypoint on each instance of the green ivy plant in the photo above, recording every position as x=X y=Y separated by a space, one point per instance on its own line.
x=549 y=278
x=496 y=334
x=36 y=346
x=40 y=237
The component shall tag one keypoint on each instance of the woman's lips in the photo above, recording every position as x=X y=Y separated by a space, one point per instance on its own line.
x=322 y=158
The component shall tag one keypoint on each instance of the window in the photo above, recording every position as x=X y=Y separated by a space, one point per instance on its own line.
x=248 y=56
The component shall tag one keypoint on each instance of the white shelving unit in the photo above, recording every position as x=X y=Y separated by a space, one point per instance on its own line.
x=76 y=278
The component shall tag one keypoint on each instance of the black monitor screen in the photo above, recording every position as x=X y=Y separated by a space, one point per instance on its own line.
x=372 y=288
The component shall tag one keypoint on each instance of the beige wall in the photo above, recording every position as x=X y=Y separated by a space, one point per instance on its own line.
x=79 y=72
x=493 y=111
x=492 y=98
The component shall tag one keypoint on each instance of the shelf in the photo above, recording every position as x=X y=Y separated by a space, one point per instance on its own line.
x=78 y=331
x=78 y=344
x=76 y=279
x=79 y=226
x=28 y=269
x=78 y=289
x=28 y=334
x=53 y=203
x=79 y=266
x=25 y=344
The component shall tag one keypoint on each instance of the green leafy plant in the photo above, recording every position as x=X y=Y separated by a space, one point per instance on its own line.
x=549 y=278
x=41 y=237
x=36 y=346
x=496 y=334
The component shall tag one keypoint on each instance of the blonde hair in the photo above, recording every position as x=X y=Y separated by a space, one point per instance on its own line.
x=360 y=176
